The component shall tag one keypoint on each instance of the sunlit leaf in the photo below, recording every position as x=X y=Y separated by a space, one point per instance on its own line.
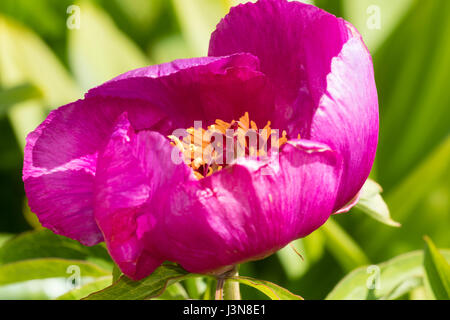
x=142 y=13
x=12 y=96
x=170 y=48
x=24 y=58
x=437 y=271
x=419 y=182
x=46 y=244
x=291 y=262
x=43 y=16
x=403 y=199
x=87 y=289
x=116 y=273
x=298 y=257
x=404 y=287
x=195 y=287
x=209 y=293
x=301 y=254
x=273 y=291
x=314 y=245
x=371 y=203
x=174 y=292
x=420 y=293
x=198 y=19
x=47 y=268
x=383 y=280
x=4 y=237
x=413 y=91
x=40 y=289
x=29 y=216
x=98 y=51
x=412 y=74
x=150 y=287
x=364 y=15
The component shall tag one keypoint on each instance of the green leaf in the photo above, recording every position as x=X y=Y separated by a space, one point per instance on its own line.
x=141 y=15
x=195 y=287
x=437 y=271
x=150 y=287
x=273 y=291
x=332 y=6
x=4 y=237
x=40 y=289
x=116 y=273
x=198 y=19
x=386 y=280
x=413 y=95
x=24 y=57
x=360 y=12
x=87 y=289
x=415 y=186
x=166 y=275
x=169 y=48
x=98 y=50
x=404 y=287
x=46 y=268
x=45 y=244
x=12 y=96
x=371 y=203
x=345 y=250
x=292 y=263
x=311 y=248
x=174 y=292
x=410 y=192
x=209 y=293
x=42 y=16
x=27 y=59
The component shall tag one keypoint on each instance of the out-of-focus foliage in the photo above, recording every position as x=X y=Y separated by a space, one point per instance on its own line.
x=167 y=275
x=437 y=269
x=99 y=51
x=40 y=258
x=44 y=64
x=388 y=280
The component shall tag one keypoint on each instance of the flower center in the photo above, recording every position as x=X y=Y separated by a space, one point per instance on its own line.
x=208 y=151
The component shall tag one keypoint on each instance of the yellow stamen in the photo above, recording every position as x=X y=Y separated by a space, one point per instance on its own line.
x=206 y=162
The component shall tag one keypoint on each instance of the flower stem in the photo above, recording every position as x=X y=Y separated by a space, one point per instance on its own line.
x=231 y=290
x=219 y=289
x=227 y=289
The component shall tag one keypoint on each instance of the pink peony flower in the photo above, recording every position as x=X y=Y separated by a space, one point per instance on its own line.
x=102 y=169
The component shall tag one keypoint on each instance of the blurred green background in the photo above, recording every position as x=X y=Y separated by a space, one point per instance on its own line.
x=44 y=64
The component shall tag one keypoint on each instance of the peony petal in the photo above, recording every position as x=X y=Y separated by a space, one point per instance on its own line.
x=249 y=210
x=347 y=117
x=63 y=201
x=214 y=64
x=65 y=146
x=59 y=166
x=322 y=73
x=201 y=89
x=295 y=43
x=131 y=172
